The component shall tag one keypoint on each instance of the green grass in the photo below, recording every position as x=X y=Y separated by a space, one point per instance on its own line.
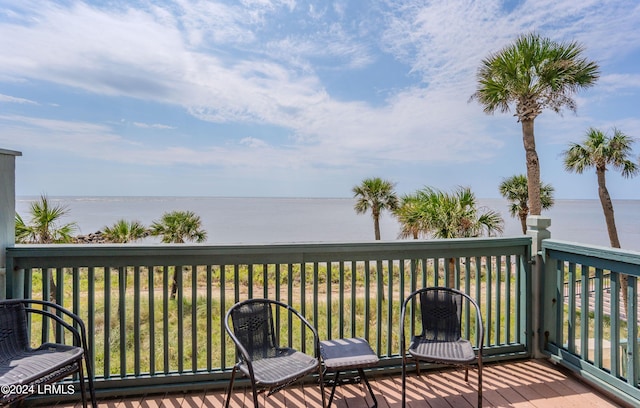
x=137 y=338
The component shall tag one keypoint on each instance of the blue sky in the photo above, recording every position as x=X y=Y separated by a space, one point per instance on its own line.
x=292 y=97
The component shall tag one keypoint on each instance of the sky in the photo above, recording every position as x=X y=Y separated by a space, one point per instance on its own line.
x=295 y=98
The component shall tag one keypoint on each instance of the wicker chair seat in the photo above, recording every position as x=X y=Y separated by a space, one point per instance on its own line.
x=450 y=352
x=28 y=366
x=287 y=366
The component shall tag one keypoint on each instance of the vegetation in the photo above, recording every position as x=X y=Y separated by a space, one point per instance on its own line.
x=534 y=73
x=601 y=151
x=437 y=214
x=375 y=194
x=45 y=225
x=179 y=227
x=123 y=231
x=515 y=190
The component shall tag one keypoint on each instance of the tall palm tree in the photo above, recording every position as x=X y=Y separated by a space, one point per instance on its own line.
x=375 y=194
x=123 y=231
x=514 y=189
x=601 y=151
x=178 y=227
x=533 y=73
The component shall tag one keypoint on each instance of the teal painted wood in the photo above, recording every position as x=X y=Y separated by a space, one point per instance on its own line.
x=221 y=308
x=591 y=274
x=598 y=319
x=571 y=329
x=401 y=266
x=151 y=321
x=615 y=327
x=584 y=313
x=632 y=332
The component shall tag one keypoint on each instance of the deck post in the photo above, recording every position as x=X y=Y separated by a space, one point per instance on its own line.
x=7 y=211
x=537 y=229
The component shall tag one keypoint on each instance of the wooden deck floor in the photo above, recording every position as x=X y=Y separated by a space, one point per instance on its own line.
x=527 y=384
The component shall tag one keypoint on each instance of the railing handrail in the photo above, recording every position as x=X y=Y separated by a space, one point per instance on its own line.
x=621 y=260
x=75 y=255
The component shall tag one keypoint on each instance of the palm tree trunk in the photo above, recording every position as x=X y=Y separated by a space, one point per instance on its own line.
x=376 y=225
x=607 y=208
x=609 y=217
x=533 y=167
x=523 y=222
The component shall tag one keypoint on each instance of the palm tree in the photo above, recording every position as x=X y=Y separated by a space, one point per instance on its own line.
x=45 y=228
x=123 y=231
x=456 y=214
x=437 y=214
x=375 y=194
x=533 y=73
x=178 y=227
x=408 y=215
x=602 y=151
x=514 y=189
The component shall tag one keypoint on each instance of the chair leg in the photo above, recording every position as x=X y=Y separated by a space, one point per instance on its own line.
x=404 y=381
x=364 y=378
x=466 y=373
x=321 y=378
x=333 y=389
x=83 y=392
x=255 y=393
x=230 y=389
x=480 y=383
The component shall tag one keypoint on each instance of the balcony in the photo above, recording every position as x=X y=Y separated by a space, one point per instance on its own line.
x=154 y=313
x=561 y=308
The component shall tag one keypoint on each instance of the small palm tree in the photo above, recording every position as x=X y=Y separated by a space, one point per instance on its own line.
x=515 y=190
x=375 y=194
x=123 y=231
x=601 y=152
x=456 y=214
x=408 y=215
x=178 y=227
x=45 y=227
x=533 y=73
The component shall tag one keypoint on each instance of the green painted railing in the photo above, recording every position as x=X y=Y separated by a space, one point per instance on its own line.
x=155 y=313
x=587 y=325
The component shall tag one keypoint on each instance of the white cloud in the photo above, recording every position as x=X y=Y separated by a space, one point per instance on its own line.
x=159 y=126
x=238 y=62
x=13 y=99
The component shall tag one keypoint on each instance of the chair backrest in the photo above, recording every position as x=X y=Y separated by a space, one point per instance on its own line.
x=253 y=328
x=441 y=311
x=13 y=329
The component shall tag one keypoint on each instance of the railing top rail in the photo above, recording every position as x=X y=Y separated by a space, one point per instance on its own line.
x=620 y=260
x=29 y=255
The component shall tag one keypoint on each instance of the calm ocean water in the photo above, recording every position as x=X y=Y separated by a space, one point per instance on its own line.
x=269 y=220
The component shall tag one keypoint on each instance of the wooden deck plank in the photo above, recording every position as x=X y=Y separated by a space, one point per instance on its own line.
x=519 y=384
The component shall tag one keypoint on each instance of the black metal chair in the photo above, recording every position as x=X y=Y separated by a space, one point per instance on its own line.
x=260 y=358
x=26 y=369
x=440 y=338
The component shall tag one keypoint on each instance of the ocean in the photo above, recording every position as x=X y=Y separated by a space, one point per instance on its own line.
x=230 y=220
